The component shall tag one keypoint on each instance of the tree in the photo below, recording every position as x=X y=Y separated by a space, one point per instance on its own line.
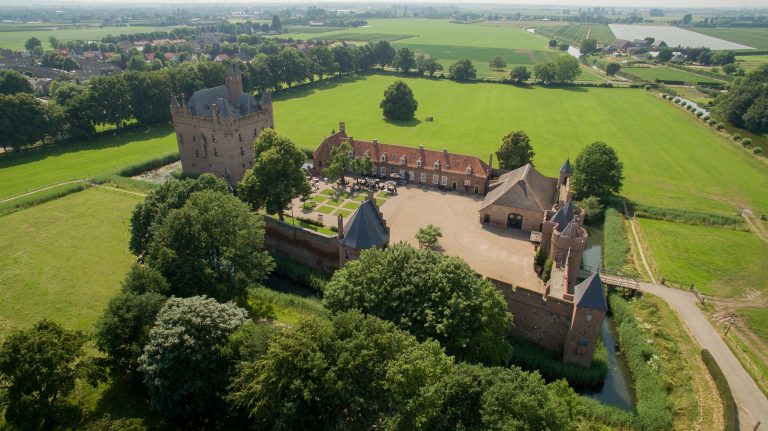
x=142 y=279
x=184 y=369
x=515 y=150
x=362 y=165
x=552 y=43
x=123 y=329
x=32 y=42
x=498 y=63
x=427 y=64
x=612 y=68
x=349 y=372
x=149 y=96
x=722 y=58
x=383 y=53
x=593 y=210
x=404 y=60
x=277 y=25
x=111 y=97
x=462 y=70
x=398 y=103
x=323 y=61
x=588 y=46
x=665 y=55
x=340 y=161
x=597 y=171
x=428 y=236
x=54 y=42
x=344 y=59
x=293 y=66
x=566 y=68
x=160 y=201
x=429 y=295
x=544 y=72
x=520 y=74
x=12 y=82
x=213 y=245
x=24 y=120
x=563 y=46
x=38 y=369
x=687 y=18
x=276 y=176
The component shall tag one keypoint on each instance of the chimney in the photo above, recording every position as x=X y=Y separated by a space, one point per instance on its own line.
x=490 y=161
x=371 y=198
x=342 y=126
x=340 y=226
x=214 y=112
x=375 y=142
x=421 y=148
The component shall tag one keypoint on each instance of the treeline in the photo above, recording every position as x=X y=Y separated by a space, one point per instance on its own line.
x=746 y=102
x=176 y=33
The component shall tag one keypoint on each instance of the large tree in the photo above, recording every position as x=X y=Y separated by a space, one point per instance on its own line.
x=597 y=171
x=398 y=102
x=498 y=63
x=429 y=295
x=405 y=60
x=276 y=176
x=149 y=94
x=24 y=120
x=520 y=74
x=170 y=195
x=566 y=68
x=383 y=53
x=352 y=372
x=38 y=369
x=323 y=61
x=545 y=72
x=112 y=98
x=32 y=43
x=294 y=67
x=462 y=70
x=340 y=162
x=588 y=46
x=12 y=82
x=185 y=370
x=515 y=150
x=213 y=245
x=427 y=64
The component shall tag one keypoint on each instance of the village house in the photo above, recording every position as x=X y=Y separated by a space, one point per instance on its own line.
x=431 y=168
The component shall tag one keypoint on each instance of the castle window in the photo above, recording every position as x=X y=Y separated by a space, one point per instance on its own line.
x=213 y=136
x=197 y=154
x=181 y=139
x=243 y=165
x=242 y=152
x=255 y=132
x=469 y=170
x=205 y=140
x=240 y=137
x=367 y=154
x=418 y=163
x=250 y=163
x=215 y=153
x=194 y=138
x=384 y=157
x=402 y=160
x=437 y=165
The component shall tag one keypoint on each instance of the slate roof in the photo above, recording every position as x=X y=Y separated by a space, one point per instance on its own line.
x=572 y=231
x=523 y=188
x=589 y=294
x=567 y=168
x=365 y=228
x=563 y=216
x=201 y=101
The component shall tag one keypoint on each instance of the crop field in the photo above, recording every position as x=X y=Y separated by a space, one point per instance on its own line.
x=718 y=261
x=64 y=259
x=754 y=37
x=668 y=74
x=675 y=36
x=751 y=62
x=13 y=38
x=576 y=33
x=671 y=159
x=31 y=170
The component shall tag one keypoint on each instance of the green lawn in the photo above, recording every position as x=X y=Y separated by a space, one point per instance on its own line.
x=667 y=74
x=757 y=319
x=751 y=62
x=719 y=262
x=34 y=169
x=671 y=158
x=13 y=37
x=754 y=37
x=64 y=259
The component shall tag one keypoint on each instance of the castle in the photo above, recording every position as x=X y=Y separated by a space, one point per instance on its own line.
x=216 y=128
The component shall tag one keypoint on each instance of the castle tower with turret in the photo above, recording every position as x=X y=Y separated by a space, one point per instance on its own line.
x=216 y=128
x=589 y=308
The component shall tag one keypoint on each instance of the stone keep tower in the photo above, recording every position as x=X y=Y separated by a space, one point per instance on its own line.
x=216 y=128
x=567 y=247
x=589 y=308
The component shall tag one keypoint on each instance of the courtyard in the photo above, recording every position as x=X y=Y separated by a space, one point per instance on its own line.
x=497 y=252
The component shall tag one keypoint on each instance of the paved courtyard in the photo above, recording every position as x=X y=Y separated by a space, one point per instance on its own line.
x=501 y=253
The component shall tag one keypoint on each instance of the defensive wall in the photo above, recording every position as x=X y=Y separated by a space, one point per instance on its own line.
x=316 y=250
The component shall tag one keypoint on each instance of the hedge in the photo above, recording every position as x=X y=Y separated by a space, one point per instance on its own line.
x=729 y=404
x=148 y=165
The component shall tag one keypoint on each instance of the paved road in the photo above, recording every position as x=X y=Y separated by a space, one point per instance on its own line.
x=753 y=405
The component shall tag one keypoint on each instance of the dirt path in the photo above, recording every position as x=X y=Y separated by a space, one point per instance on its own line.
x=637 y=241
x=84 y=181
x=755 y=226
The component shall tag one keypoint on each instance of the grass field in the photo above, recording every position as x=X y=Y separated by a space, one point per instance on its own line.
x=576 y=33
x=719 y=262
x=751 y=62
x=30 y=170
x=754 y=37
x=668 y=74
x=13 y=37
x=671 y=159
x=64 y=259
x=757 y=319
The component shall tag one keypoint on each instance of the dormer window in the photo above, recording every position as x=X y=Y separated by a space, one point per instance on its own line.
x=367 y=155
x=437 y=165
x=418 y=163
x=384 y=157
x=402 y=160
x=469 y=170
x=350 y=154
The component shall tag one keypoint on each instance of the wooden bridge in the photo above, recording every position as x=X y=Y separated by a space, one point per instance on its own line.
x=610 y=277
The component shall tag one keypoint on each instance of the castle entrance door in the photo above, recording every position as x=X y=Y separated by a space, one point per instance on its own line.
x=515 y=220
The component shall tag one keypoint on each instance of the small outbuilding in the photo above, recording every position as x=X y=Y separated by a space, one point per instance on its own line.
x=519 y=199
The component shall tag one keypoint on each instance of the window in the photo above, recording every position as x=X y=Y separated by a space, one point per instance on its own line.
x=255 y=132
x=384 y=157
x=444 y=181
x=402 y=160
x=435 y=179
x=213 y=136
x=205 y=140
x=367 y=154
x=242 y=152
x=181 y=139
x=437 y=165
x=467 y=183
x=418 y=163
x=351 y=154
x=240 y=137
x=194 y=138
x=215 y=153
x=469 y=170
x=383 y=170
x=423 y=177
x=411 y=175
x=197 y=154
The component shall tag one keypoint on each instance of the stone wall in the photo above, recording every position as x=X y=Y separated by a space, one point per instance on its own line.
x=542 y=321
x=498 y=216
x=304 y=246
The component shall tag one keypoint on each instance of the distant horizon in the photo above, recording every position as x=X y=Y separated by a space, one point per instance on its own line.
x=645 y=4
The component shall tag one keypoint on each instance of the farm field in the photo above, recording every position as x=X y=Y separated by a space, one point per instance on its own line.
x=12 y=39
x=31 y=170
x=751 y=62
x=754 y=37
x=671 y=159
x=668 y=74
x=718 y=261
x=757 y=319
x=70 y=262
x=576 y=33
x=675 y=36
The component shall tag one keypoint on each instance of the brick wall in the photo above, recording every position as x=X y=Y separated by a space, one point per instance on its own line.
x=313 y=249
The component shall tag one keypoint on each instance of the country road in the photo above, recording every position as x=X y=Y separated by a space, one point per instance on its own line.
x=752 y=403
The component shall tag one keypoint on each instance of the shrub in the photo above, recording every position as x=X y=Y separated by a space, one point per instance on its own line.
x=700 y=114
x=547 y=273
x=300 y=273
x=729 y=404
x=711 y=122
x=663 y=96
x=311 y=221
x=539 y=260
x=647 y=87
x=720 y=126
x=148 y=165
x=746 y=142
x=737 y=137
x=757 y=150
